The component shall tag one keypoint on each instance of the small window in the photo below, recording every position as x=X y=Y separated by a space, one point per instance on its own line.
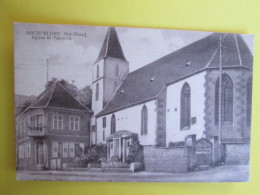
x=97 y=91
x=113 y=124
x=103 y=134
x=74 y=123
x=97 y=71
x=57 y=122
x=104 y=122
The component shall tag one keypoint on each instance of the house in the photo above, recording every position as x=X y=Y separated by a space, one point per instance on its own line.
x=52 y=131
x=191 y=107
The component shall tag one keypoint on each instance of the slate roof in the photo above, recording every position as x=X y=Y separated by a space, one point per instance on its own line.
x=147 y=82
x=111 y=46
x=56 y=96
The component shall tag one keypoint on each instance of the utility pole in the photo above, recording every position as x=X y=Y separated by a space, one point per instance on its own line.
x=220 y=96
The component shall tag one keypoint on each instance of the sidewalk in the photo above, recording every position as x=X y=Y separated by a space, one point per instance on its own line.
x=225 y=173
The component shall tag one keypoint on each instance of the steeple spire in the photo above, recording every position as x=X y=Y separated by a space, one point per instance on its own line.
x=111 y=46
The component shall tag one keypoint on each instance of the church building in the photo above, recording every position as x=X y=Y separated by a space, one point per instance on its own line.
x=191 y=107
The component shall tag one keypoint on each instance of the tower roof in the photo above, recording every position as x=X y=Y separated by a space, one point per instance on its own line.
x=111 y=46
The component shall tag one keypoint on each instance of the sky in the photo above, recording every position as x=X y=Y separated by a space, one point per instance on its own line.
x=71 y=50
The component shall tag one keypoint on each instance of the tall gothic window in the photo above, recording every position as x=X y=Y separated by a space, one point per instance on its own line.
x=97 y=71
x=249 y=101
x=113 y=124
x=226 y=106
x=97 y=91
x=185 y=107
x=144 y=121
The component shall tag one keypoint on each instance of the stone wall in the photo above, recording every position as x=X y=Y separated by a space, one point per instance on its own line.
x=169 y=160
x=237 y=153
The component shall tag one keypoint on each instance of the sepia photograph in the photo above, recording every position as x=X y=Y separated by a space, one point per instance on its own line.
x=119 y=104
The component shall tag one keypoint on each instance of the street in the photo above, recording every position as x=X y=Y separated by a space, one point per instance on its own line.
x=225 y=173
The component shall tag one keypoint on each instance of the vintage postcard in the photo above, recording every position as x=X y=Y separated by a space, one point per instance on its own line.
x=96 y=103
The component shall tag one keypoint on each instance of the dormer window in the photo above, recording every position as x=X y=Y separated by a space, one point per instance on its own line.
x=152 y=79
x=188 y=64
x=122 y=91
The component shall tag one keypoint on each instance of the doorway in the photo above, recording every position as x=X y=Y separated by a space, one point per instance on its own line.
x=40 y=153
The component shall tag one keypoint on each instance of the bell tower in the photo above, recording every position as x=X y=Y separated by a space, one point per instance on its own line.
x=109 y=70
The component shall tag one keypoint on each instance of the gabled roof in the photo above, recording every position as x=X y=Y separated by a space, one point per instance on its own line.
x=147 y=82
x=56 y=96
x=111 y=46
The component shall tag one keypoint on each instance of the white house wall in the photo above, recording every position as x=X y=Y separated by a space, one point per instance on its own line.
x=173 y=132
x=130 y=119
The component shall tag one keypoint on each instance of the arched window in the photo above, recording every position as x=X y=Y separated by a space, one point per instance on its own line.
x=249 y=100
x=144 y=121
x=97 y=91
x=113 y=124
x=185 y=107
x=226 y=106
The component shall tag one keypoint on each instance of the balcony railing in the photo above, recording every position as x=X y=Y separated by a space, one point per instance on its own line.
x=37 y=131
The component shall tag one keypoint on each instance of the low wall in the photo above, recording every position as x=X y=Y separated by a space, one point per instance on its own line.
x=236 y=154
x=26 y=164
x=173 y=160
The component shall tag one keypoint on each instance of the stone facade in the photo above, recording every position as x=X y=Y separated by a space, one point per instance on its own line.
x=166 y=159
x=239 y=128
x=237 y=153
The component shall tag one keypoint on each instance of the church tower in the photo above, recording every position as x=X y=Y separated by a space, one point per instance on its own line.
x=109 y=70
